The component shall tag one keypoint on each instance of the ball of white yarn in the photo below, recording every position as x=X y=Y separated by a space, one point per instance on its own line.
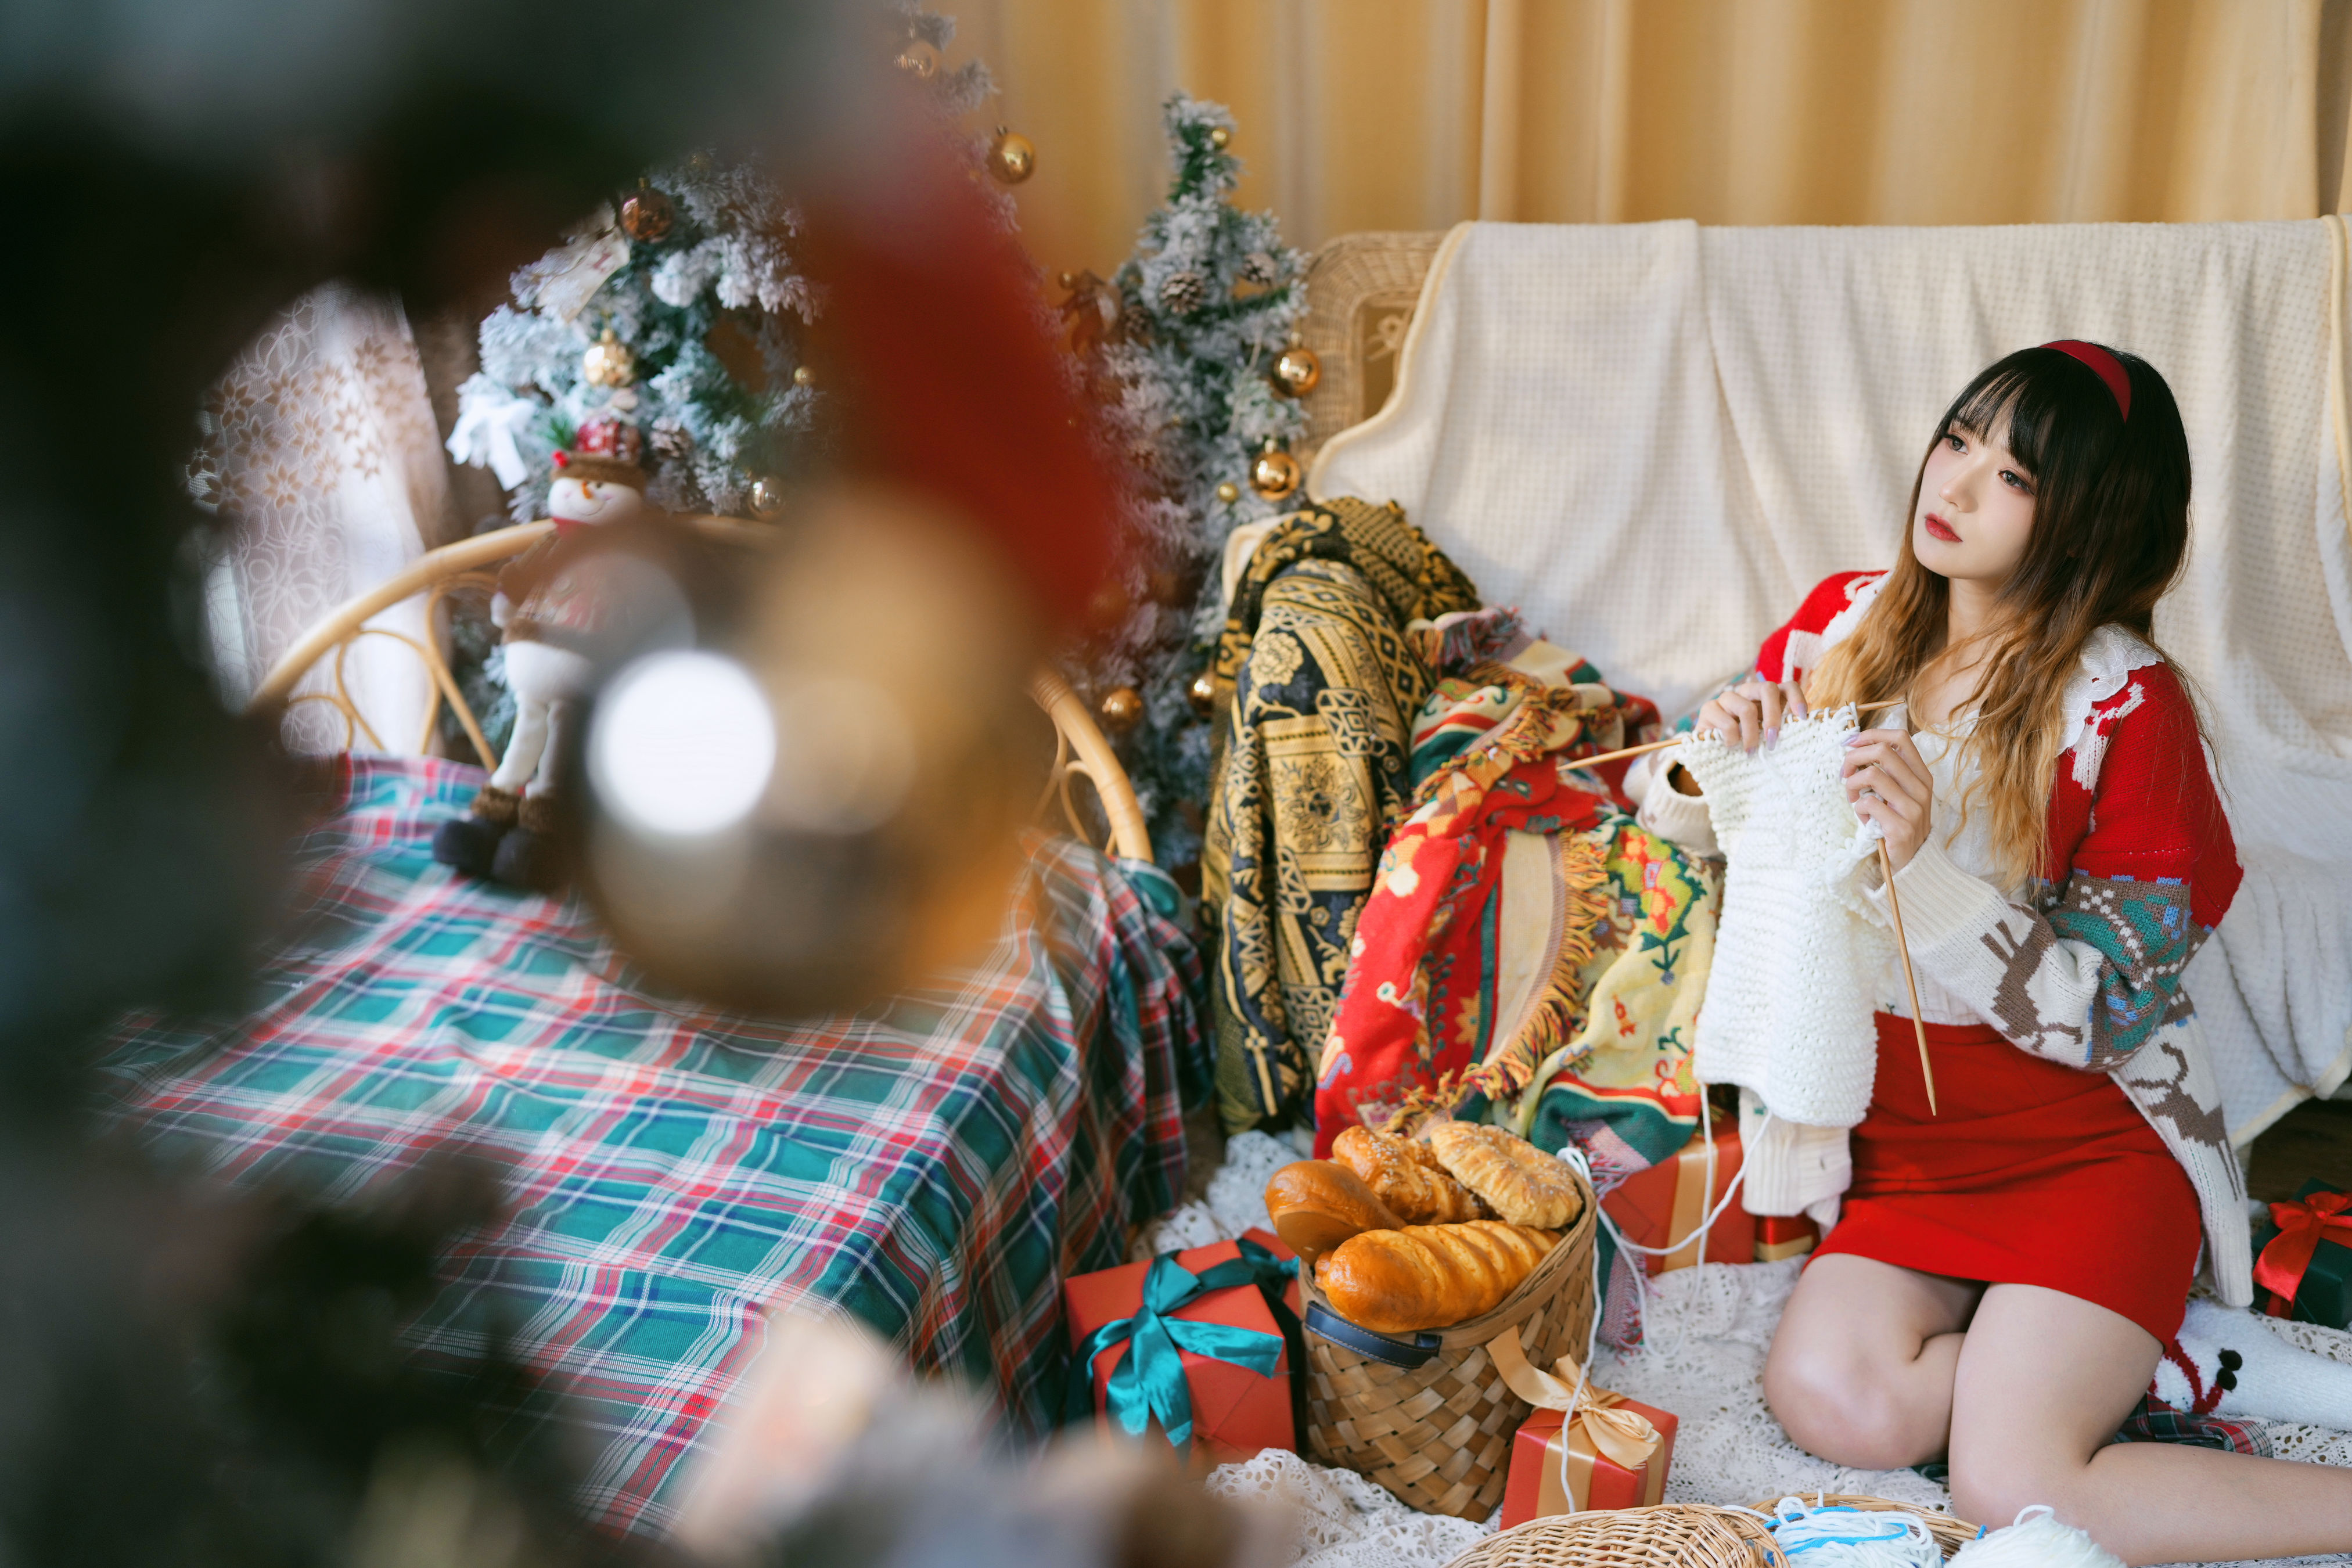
x=1838 y=1536
x=2036 y=1541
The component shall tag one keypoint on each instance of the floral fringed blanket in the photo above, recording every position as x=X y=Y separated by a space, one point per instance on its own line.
x=1528 y=952
x=1316 y=683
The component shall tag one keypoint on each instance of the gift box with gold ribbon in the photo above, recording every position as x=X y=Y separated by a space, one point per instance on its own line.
x=1583 y=1448
x=2306 y=1266
x=1662 y=1206
x=1784 y=1236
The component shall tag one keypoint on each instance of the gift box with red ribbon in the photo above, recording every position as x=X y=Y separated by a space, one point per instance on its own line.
x=1196 y=1346
x=1784 y=1236
x=1613 y=1452
x=2306 y=1267
x=1662 y=1206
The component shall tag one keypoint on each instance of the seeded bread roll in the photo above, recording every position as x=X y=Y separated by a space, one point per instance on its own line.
x=1405 y=1177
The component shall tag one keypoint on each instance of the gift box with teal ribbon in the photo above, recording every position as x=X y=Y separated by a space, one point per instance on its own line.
x=1196 y=1346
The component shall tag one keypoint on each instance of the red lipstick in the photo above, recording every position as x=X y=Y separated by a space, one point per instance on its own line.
x=1939 y=528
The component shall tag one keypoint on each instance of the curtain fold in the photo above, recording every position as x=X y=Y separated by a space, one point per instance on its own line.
x=1414 y=114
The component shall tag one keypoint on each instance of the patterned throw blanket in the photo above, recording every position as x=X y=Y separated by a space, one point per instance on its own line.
x=1316 y=683
x=1529 y=953
x=933 y=1166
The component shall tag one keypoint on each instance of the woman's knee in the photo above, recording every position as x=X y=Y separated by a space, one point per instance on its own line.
x=1991 y=1482
x=1841 y=1409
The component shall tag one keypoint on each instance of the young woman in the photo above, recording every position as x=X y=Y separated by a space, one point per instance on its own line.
x=2004 y=1275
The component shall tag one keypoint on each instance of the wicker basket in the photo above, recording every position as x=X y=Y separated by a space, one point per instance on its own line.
x=1438 y=1434
x=1670 y=1535
x=1950 y=1533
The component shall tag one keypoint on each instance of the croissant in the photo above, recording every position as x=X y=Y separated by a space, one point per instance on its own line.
x=1429 y=1276
x=1317 y=1205
x=1405 y=1176
x=1512 y=1176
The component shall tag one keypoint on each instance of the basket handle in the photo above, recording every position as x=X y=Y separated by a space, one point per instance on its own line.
x=1403 y=1353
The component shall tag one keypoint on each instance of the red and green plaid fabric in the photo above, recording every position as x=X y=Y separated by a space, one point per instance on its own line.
x=933 y=1167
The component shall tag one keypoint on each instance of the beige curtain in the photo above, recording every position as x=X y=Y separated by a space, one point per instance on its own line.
x=1414 y=114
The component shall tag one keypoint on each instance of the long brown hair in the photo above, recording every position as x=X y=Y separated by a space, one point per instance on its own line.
x=2110 y=534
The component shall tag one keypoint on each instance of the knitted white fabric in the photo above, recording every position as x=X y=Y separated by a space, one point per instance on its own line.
x=1790 y=995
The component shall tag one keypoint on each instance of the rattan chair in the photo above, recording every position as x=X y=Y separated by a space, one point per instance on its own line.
x=1080 y=750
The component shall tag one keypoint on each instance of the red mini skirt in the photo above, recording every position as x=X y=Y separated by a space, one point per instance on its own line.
x=2033 y=1173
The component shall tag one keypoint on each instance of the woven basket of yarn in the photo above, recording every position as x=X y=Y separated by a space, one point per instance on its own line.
x=1670 y=1535
x=1438 y=1436
x=1950 y=1533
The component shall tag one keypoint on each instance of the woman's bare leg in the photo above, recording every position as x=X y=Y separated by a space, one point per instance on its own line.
x=1861 y=1370
x=2043 y=1381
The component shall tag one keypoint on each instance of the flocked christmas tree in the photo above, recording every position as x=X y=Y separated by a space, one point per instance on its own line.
x=1192 y=347
x=667 y=330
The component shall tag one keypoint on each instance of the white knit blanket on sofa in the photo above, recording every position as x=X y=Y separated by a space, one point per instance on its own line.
x=1654 y=438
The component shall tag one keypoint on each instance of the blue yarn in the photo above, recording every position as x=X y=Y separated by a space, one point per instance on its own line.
x=1840 y=1536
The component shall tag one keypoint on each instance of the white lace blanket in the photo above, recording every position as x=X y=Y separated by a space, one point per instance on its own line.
x=1708 y=1330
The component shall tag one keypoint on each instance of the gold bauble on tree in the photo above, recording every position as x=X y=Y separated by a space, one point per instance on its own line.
x=804 y=376
x=1203 y=693
x=1120 y=709
x=647 y=215
x=1297 y=371
x=1012 y=157
x=767 y=498
x=1277 y=474
x=608 y=361
x=1229 y=492
x=918 y=60
x=1219 y=136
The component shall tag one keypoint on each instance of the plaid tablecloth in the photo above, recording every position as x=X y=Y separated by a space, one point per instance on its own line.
x=932 y=1168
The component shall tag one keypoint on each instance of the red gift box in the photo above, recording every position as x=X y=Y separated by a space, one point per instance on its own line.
x=1542 y=1451
x=1662 y=1205
x=1235 y=1412
x=1784 y=1236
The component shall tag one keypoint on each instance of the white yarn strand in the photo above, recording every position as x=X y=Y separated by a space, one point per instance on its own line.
x=1838 y=1536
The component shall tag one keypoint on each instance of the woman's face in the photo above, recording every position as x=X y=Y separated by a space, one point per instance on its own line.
x=1975 y=508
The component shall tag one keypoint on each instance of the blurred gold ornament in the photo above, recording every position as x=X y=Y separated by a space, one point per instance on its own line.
x=1167 y=585
x=1203 y=693
x=608 y=361
x=1219 y=136
x=804 y=376
x=647 y=213
x=1229 y=492
x=1276 y=474
x=1297 y=371
x=1120 y=709
x=1012 y=157
x=918 y=60
x=767 y=498
x=1106 y=606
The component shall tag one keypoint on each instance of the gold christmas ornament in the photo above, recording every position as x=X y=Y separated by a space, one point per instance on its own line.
x=1120 y=709
x=1297 y=371
x=1229 y=492
x=1012 y=157
x=608 y=361
x=918 y=60
x=1276 y=474
x=647 y=215
x=1202 y=694
x=804 y=376
x=1219 y=136
x=767 y=498
x=1106 y=606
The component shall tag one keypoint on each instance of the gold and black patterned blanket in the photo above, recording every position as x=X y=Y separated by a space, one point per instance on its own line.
x=1317 y=686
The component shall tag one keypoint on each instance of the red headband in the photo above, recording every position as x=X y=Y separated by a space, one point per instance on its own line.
x=2111 y=369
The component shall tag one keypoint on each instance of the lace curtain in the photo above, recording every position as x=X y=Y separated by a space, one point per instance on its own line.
x=320 y=454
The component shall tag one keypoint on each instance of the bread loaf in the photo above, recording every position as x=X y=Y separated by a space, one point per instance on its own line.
x=1406 y=1178
x=1317 y=1205
x=1509 y=1175
x=1429 y=1276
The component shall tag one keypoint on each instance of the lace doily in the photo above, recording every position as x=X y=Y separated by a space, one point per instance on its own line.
x=1703 y=1358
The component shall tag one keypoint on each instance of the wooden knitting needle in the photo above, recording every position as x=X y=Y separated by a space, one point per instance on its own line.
x=1910 y=981
x=1676 y=741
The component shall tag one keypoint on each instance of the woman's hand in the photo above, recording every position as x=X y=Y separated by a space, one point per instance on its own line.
x=1887 y=782
x=1749 y=713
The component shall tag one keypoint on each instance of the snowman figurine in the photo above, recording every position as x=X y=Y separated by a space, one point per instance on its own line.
x=562 y=609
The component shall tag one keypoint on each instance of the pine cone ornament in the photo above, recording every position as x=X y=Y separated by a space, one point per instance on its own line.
x=1257 y=269
x=1135 y=322
x=671 y=439
x=1183 y=293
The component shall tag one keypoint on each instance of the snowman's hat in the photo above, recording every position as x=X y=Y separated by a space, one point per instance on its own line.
x=603 y=469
